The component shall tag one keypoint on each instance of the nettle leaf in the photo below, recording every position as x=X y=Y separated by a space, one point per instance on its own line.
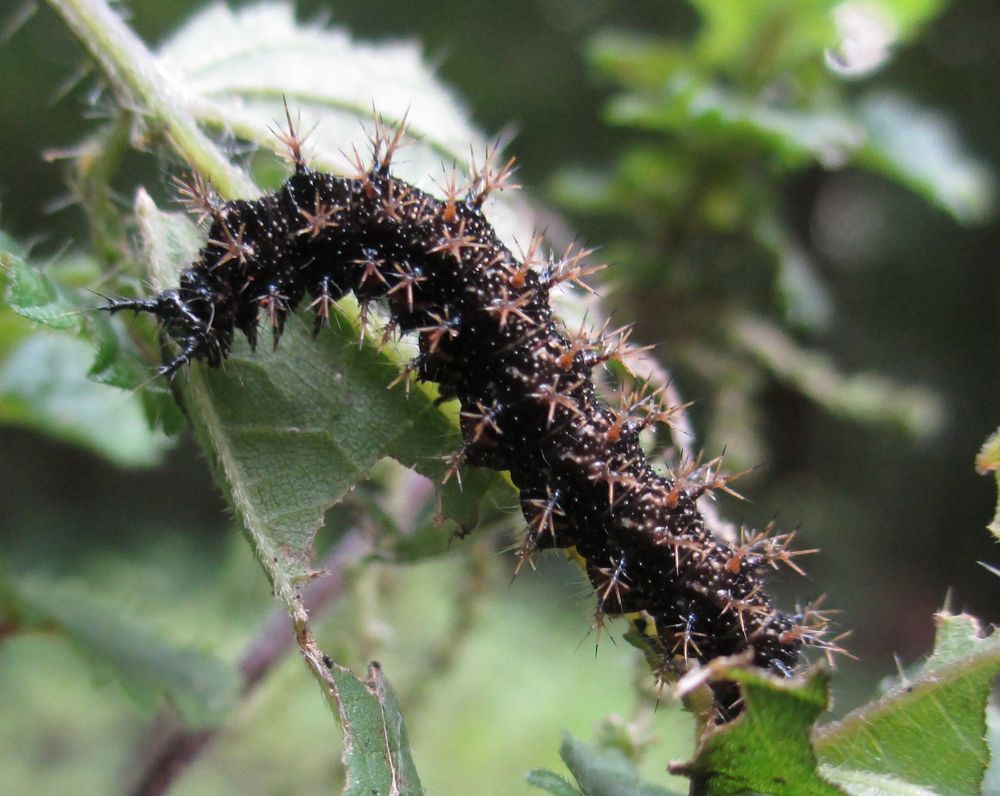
x=692 y=104
x=377 y=751
x=32 y=295
x=926 y=736
x=333 y=84
x=930 y=729
x=46 y=385
x=546 y=780
x=292 y=431
x=767 y=748
x=604 y=771
x=200 y=686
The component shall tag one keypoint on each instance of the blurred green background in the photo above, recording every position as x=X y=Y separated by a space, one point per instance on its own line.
x=719 y=233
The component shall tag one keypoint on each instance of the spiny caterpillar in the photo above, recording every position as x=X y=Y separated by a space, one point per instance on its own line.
x=488 y=337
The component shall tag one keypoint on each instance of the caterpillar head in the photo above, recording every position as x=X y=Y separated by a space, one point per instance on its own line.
x=187 y=319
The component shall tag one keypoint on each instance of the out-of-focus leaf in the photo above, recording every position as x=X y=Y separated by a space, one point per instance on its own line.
x=44 y=385
x=794 y=137
x=550 y=781
x=202 y=687
x=604 y=772
x=804 y=299
x=767 y=748
x=988 y=461
x=32 y=295
x=635 y=60
x=929 y=730
x=919 y=148
x=860 y=397
x=762 y=36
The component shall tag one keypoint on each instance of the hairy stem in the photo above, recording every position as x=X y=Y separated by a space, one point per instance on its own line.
x=172 y=747
x=136 y=76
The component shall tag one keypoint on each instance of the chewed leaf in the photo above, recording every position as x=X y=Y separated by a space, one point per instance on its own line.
x=767 y=748
x=376 y=752
x=293 y=430
x=926 y=736
x=930 y=729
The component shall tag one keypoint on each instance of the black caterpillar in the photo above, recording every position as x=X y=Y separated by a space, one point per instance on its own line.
x=487 y=336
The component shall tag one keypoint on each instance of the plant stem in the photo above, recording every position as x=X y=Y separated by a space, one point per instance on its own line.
x=136 y=75
x=172 y=747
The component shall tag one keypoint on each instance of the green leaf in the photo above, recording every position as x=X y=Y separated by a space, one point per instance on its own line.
x=988 y=461
x=202 y=687
x=695 y=106
x=605 y=771
x=767 y=748
x=44 y=383
x=32 y=295
x=929 y=730
x=294 y=429
x=635 y=60
x=239 y=88
x=550 y=781
x=376 y=751
x=762 y=37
